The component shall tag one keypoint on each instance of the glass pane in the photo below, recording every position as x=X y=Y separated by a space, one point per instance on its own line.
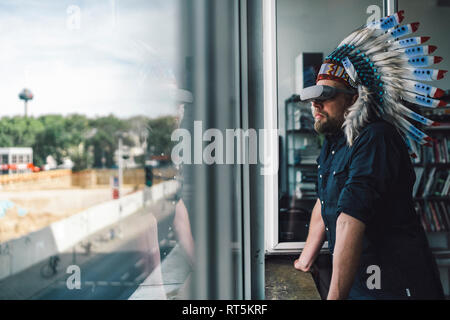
x=89 y=207
x=307 y=31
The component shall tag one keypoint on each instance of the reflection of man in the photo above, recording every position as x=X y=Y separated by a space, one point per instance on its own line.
x=181 y=220
x=365 y=179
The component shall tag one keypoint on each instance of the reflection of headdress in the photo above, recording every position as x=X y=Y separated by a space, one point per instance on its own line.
x=385 y=69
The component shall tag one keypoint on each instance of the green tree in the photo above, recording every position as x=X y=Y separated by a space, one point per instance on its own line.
x=160 y=131
x=105 y=139
x=19 y=131
x=53 y=140
x=86 y=141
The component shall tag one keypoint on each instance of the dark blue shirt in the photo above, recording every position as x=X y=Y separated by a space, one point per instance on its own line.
x=372 y=181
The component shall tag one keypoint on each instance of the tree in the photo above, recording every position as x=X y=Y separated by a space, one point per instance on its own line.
x=53 y=140
x=105 y=139
x=160 y=131
x=19 y=131
x=86 y=141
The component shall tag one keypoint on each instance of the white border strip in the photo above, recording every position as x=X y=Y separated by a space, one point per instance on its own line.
x=270 y=123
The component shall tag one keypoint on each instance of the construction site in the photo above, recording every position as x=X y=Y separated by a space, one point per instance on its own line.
x=31 y=201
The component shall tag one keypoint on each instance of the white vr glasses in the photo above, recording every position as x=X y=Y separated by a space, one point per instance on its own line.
x=321 y=93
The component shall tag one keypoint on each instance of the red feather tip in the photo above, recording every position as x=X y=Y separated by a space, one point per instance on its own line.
x=441 y=74
x=438 y=59
x=442 y=103
x=400 y=16
x=439 y=93
x=415 y=26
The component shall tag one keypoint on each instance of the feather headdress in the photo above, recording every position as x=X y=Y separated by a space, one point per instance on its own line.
x=387 y=69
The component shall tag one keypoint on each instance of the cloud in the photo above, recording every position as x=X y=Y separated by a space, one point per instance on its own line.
x=88 y=57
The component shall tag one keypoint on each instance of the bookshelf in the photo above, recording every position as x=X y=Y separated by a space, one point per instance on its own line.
x=300 y=150
x=431 y=192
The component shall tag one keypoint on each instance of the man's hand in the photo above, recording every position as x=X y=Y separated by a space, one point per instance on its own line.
x=301 y=265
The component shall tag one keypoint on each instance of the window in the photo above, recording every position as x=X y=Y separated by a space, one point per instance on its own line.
x=115 y=62
x=297 y=65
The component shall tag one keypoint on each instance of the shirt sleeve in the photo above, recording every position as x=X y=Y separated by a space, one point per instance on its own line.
x=373 y=163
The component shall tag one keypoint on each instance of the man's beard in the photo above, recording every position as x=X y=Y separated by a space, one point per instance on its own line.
x=328 y=125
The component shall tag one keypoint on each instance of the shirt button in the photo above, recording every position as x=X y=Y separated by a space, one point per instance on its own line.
x=322 y=201
x=326 y=228
x=332 y=152
x=318 y=166
x=334 y=173
x=320 y=176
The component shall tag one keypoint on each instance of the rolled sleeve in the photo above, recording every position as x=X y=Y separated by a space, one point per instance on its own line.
x=373 y=163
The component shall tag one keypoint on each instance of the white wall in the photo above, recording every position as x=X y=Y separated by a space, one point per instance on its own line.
x=319 y=26
x=434 y=22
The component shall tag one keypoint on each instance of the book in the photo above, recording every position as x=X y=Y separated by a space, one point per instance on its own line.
x=419 y=172
x=439 y=182
x=419 y=212
x=440 y=216
x=445 y=149
x=429 y=182
x=434 y=215
x=448 y=147
x=444 y=215
x=429 y=218
x=446 y=186
x=423 y=217
x=436 y=150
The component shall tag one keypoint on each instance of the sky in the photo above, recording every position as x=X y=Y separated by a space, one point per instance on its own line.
x=91 y=57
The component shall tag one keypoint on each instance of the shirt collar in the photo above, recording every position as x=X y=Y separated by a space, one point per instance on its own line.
x=336 y=138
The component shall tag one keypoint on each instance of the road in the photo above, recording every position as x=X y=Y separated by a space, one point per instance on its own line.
x=121 y=257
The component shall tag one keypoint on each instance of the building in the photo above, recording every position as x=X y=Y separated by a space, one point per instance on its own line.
x=16 y=160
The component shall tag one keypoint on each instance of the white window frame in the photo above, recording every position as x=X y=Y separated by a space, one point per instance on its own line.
x=272 y=245
x=271 y=216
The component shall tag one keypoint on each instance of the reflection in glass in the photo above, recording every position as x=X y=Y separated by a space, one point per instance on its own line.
x=89 y=206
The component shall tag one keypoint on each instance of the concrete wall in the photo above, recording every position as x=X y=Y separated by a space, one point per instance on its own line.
x=18 y=254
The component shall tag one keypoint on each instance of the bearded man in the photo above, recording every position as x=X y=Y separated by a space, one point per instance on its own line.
x=365 y=175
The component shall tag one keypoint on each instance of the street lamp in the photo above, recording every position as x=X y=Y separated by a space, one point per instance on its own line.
x=120 y=135
x=26 y=95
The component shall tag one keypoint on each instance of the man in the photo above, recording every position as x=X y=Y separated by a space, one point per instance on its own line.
x=365 y=179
